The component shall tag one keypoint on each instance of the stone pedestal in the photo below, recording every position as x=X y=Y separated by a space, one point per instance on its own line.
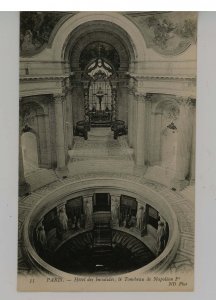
x=61 y=169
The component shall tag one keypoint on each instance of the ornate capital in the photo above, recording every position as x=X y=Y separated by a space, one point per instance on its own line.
x=140 y=97
x=59 y=98
x=148 y=97
x=131 y=86
x=186 y=101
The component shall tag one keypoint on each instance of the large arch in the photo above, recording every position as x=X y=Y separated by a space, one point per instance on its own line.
x=63 y=34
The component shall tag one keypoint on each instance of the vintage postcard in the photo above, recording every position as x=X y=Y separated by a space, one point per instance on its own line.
x=107 y=123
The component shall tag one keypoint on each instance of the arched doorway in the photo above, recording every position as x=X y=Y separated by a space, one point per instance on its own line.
x=164 y=139
x=86 y=39
x=30 y=152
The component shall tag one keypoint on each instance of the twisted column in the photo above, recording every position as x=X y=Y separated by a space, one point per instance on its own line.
x=130 y=111
x=114 y=105
x=86 y=103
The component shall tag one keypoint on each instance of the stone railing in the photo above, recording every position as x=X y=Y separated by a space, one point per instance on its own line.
x=88 y=187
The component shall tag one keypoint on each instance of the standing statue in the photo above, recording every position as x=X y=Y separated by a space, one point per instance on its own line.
x=140 y=218
x=27 y=44
x=41 y=241
x=63 y=220
x=88 y=213
x=115 y=211
x=160 y=237
x=42 y=236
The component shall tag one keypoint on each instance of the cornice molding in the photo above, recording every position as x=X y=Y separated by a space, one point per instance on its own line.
x=42 y=77
x=152 y=77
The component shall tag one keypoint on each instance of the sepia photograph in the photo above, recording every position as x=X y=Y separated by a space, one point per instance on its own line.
x=107 y=134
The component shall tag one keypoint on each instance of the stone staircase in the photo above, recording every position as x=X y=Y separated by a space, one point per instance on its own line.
x=99 y=165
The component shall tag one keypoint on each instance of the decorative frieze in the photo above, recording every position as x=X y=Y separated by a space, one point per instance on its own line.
x=142 y=78
x=43 y=77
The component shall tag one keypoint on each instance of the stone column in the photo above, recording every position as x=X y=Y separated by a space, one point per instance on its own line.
x=60 y=149
x=130 y=111
x=184 y=142
x=139 y=121
x=86 y=102
x=24 y=187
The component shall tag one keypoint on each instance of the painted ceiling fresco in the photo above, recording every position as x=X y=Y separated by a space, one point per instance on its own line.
x=168 y=33
x=36 y=29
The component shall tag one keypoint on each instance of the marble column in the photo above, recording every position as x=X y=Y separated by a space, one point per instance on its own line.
x=184 y=143
x=24 y=187
x=130 y=111
x=86 y=102
x=60 y=138
x=139 y=121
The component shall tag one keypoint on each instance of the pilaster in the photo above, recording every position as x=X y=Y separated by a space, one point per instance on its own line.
x=60 y=138
x=139 y=146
